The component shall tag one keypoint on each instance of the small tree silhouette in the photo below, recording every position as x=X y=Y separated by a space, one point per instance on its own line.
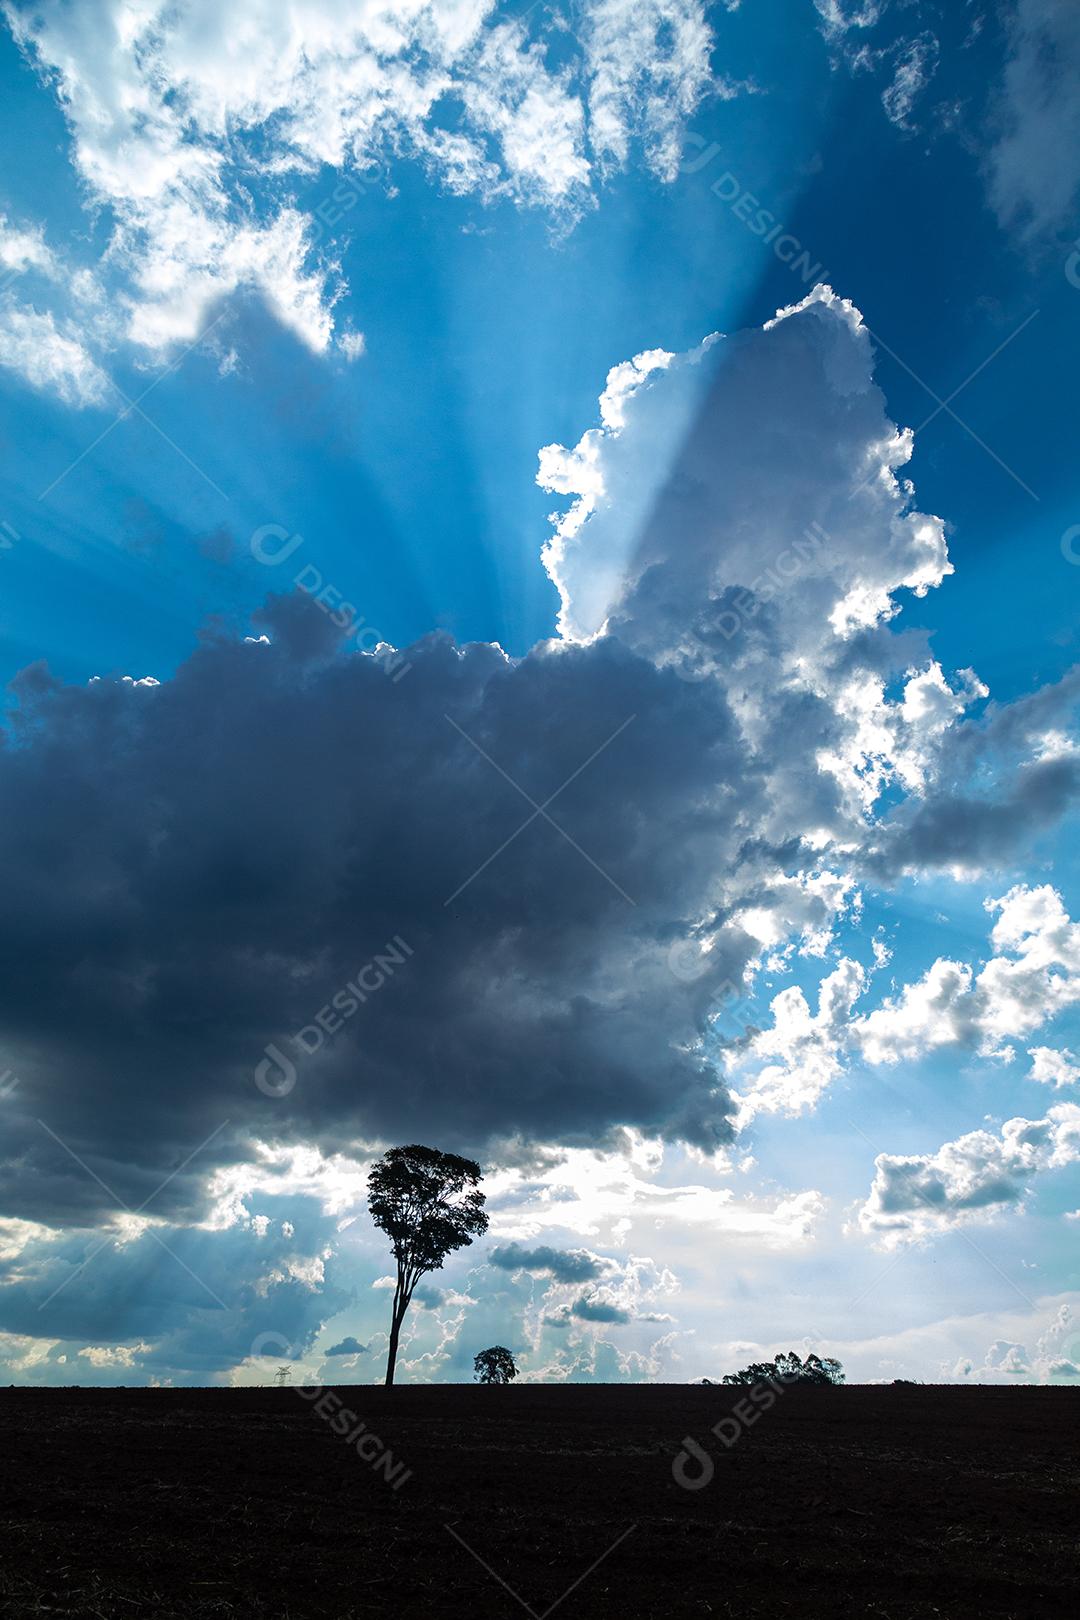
x=495 y=1366
x=428 y=1203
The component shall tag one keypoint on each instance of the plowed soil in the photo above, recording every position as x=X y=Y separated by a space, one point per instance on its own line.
x=902 y=1503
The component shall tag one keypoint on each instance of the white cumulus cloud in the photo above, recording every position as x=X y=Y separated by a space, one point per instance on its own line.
x=917 y=1195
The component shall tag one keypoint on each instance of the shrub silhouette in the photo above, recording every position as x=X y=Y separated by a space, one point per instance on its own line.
x=790 y=1369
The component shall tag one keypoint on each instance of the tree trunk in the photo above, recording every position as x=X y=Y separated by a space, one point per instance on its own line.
x=391 y=1357
x=401 y=1305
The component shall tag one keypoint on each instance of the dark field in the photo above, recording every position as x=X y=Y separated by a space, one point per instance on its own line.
x=860 y=1501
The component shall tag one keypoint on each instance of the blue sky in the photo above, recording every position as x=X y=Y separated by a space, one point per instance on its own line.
x=367 y=290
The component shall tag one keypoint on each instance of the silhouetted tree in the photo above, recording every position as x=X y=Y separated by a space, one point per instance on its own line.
x=495 y=1366
x=428 y=1203
x=788 y=1368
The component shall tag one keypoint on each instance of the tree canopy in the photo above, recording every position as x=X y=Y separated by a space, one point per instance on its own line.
x=495 y=1366
x=789 y=1368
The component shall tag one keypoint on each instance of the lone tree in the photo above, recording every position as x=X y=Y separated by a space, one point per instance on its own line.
x=428 y=1203
x=495 y=1366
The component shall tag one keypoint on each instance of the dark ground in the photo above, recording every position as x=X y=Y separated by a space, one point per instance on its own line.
x=882 y=1501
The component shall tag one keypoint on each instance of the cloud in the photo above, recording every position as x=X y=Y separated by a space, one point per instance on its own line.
x=247 y=1281
x=254 y=905
x=1004 y=1357
x=24 y=248
x=647 y=65
x=1031 y=977
x=49 y=359
x=915 y=1196
x=116 y=1355
x=911 y=58
x=178 y=1300
x=838 y=16
x=47 y=345
x=595 y=1309
x=626 y=1295
x=801 y=1050
x=562 y=1265
x=1011 y=102
x=197 y=126
x=659 y=520
x=1056 y=1358
x=349 y=1346
x=537 y=122
x=610 y=1195
x=1053 y=1068
x=1034 y=163
x=916 y=64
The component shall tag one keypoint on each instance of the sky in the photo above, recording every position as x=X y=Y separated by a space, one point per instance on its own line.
x=539 y=565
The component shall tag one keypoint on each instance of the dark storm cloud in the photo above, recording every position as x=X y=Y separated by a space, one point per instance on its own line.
x=562 y=1265
x=982 y=831
x=349 y=1346
x=197 y=870
x=1017 y=797
x=598 y=1310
